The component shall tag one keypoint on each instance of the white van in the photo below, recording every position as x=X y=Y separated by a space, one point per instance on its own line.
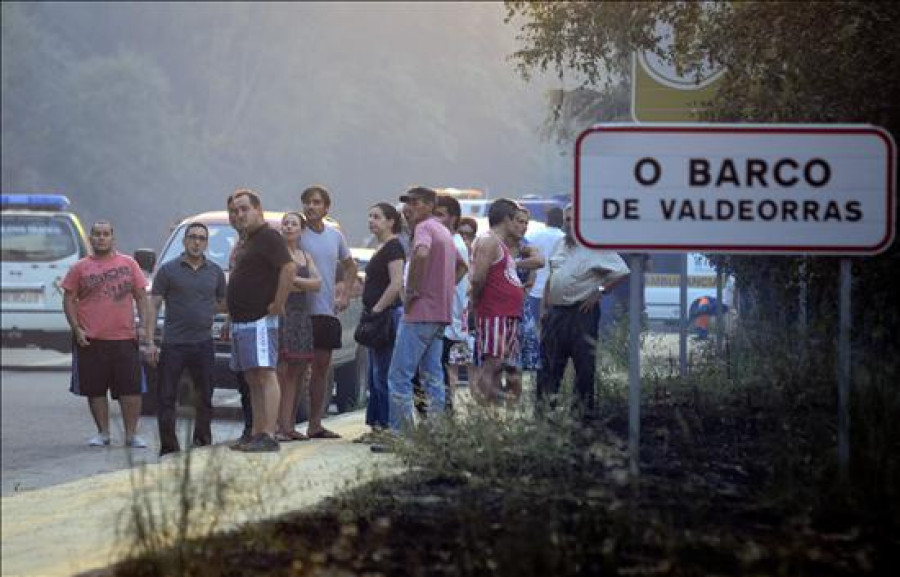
x=39 y=241
x=662 y=293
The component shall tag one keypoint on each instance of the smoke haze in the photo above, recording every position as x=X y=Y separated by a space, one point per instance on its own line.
x=145 y=113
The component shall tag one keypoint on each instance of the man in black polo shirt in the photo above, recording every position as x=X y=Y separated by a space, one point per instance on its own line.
x=257 y=291
x=193 y=289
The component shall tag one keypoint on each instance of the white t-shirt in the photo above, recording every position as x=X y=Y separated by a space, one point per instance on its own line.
x=546 y=240
x=578 y=271
x=457 y=330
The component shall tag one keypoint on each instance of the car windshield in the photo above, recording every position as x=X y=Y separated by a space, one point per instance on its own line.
x=37 y=238
x=221 y=240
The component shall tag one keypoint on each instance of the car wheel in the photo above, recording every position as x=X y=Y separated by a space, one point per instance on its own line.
x=352 y=383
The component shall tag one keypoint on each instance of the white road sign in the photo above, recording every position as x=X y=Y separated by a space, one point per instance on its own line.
x=788 y=189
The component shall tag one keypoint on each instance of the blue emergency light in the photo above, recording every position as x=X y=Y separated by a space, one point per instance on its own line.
x=35 y=201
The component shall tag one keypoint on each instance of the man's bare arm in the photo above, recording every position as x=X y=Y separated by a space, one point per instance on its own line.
x=70 y=308
x=149 y=326
x=148 y=322
x=155 y=301
x=417 y=266
x=485 y=252
x=532 y=258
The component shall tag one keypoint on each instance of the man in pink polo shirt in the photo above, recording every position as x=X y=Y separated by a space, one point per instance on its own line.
x=435 y=267
x=100 y=293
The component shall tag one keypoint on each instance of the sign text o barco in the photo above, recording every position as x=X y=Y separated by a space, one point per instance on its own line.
x=736 y=188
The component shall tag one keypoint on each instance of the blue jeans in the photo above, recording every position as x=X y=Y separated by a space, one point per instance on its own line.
x=418 y=345
x=198 y=359
x=378 y=407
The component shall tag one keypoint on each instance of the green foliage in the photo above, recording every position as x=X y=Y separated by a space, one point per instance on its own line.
x=786 y=62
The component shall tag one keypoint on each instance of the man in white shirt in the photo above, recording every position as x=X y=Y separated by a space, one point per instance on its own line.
x=546 y=240
x=447 y=211
x=570 y=323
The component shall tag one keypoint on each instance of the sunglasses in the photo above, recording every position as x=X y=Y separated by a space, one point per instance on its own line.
x=468 y=233
x=199 y=237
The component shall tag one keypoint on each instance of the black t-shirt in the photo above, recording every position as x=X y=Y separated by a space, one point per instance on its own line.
x=378 y=277
x=254 y=280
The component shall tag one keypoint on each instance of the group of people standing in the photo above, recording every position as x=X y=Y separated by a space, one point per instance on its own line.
x=525 y=311
x=439 y=281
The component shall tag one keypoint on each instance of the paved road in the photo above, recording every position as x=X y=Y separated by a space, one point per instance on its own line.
x=45 y=428
x=82 y=525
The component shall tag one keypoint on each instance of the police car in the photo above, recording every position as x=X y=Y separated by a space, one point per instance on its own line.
x=39 y=241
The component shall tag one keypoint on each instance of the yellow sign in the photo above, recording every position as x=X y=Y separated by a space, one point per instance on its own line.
x=660 y=93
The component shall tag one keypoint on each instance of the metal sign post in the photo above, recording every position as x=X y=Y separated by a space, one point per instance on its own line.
x=720 y=325
x=737 y=188
x=683 y=315
x=634 y=363
x=844 y=369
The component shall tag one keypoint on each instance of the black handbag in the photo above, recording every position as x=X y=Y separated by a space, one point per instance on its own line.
x=375 y=330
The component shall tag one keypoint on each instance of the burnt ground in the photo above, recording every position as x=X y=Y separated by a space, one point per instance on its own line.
x=740 y=493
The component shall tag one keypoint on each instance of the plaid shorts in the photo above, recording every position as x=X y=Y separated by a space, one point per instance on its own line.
x=254 y=345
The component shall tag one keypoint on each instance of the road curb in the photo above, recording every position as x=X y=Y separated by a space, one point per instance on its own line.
x=36 y=368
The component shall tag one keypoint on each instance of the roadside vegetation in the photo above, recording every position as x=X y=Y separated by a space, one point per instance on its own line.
x=738 y=477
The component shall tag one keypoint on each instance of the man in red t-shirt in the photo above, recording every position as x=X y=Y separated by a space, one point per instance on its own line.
x=498 y=297
x=100 y=293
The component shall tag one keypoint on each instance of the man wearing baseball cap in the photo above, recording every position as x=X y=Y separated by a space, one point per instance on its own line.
x=435 y=267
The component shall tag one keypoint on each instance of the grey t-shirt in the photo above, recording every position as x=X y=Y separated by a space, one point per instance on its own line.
x=190 y=297
x=327 y=249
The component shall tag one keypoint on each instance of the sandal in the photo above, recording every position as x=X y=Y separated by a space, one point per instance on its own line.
x=297 y=436
x=288 y=436
x=323 y=433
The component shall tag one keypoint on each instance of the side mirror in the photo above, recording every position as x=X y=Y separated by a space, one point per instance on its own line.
x=146 y=259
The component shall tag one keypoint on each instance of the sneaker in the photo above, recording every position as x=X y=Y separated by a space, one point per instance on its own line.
x=99 y=440
x=200 y=442
x=373 y=436
x=262 y=443
x=136 y=442
x=245 y=438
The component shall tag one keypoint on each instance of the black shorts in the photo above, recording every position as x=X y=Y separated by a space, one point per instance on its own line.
x=326 y=332
x=103 y=366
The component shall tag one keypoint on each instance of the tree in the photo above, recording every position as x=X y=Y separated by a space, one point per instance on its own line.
x=786 y=62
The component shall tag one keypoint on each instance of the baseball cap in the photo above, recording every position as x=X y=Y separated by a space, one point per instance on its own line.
x=419 y=192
